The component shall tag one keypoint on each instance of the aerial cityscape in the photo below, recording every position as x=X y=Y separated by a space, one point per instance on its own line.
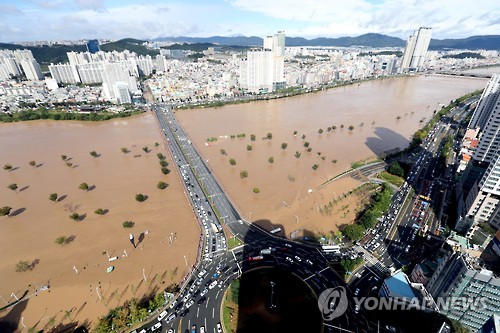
x=231 y=166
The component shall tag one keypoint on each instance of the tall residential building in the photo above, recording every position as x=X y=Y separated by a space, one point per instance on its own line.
x=263 y=70
x=31 y=69
x=460 y=276
x=116 y=74
x=492 y=325
x=93 y=46
x=482 y=203
x=64 y=73
x=416 y=50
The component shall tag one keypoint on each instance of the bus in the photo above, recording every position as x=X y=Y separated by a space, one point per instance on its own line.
x=331 y=248
x=275 y=231
x=214 y=228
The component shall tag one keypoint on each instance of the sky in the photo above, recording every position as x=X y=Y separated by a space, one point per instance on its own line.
x=44 y=20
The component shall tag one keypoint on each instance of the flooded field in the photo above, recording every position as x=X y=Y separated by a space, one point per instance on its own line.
x=80 y=288
x=384 y=115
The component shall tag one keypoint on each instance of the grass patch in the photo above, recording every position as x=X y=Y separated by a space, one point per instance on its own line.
x=233 y=242
x=395 y=180
x=230 y=308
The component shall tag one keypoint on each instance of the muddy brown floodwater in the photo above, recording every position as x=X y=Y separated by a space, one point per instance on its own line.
x=115 y=178
x=384 y=113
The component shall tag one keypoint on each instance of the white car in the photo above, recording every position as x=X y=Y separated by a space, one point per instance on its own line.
x=298 y=258
x=202 y=329
x=290 y=260
x=309 y=262
x=356 y=308
x=219 y=328
x=162 y=315
x=188 y=304
x=156 y=326
x=212 y=285
x=204 y=292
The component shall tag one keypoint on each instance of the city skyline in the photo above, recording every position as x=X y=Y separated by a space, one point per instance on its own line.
x=20 y=21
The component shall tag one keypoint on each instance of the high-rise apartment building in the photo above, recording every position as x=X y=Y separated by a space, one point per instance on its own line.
x=64 y=73
x=482 y=203
x=416 y=50
x=460 y=276
x=263 y=70
x=31 y=69
x=93 y=46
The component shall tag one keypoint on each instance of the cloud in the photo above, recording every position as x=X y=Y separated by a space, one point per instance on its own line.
x=96 y=5
x=76 y=19
x=394 y=17
x=7 y=10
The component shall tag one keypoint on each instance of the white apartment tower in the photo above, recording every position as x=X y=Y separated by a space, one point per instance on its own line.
x=263 y=70
x=483 y=201
x=416 y=50
x=64 y=73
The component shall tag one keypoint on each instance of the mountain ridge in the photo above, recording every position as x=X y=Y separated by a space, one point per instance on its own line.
x=487 y=42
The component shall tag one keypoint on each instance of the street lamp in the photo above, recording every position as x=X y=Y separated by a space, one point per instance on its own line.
x=296 y=219
x=144 y=274
x=185 y=259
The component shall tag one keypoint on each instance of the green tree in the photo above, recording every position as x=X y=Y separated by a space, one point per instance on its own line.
x=303 y=136
x=5 y=211
x=125 y=150
x=306 y=144
x=165 y=170
x=243 y=174
x=334 y=161
x=396 y=169
x=163 y=163
x=7 y=167
x=252 y=137
x=294 y=132
x=269 y=135
x=61 y=240
x=93 y=153
x=64 y=157
x=256 y=190
x=156 y=144
x=75 y=216
x=284 y=145
x=99 y=211
x=232 y=161
x=271 y=160
x=12 y=186
x=162 y=185
x=315 y=167
x=297 y=154
x=353 y=231
x=329 y=129
x=84 y=186
x=351 y=127
x=223 y=152
x=320 y=131
x=249 y=147
x=53 y=197
x=160 y=156
x=334 y=127
x=32 y=163
x=69 y=164
x=140 y=197
x=341 y=126
x=128 y=224
x=309 y=149
x=146 y=149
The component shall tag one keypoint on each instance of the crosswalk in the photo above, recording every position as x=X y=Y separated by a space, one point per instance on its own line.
x=374 y=262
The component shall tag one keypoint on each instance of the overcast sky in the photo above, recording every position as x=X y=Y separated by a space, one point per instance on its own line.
x=29 y=20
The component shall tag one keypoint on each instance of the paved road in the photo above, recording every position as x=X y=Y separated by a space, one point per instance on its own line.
x=199 y=301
